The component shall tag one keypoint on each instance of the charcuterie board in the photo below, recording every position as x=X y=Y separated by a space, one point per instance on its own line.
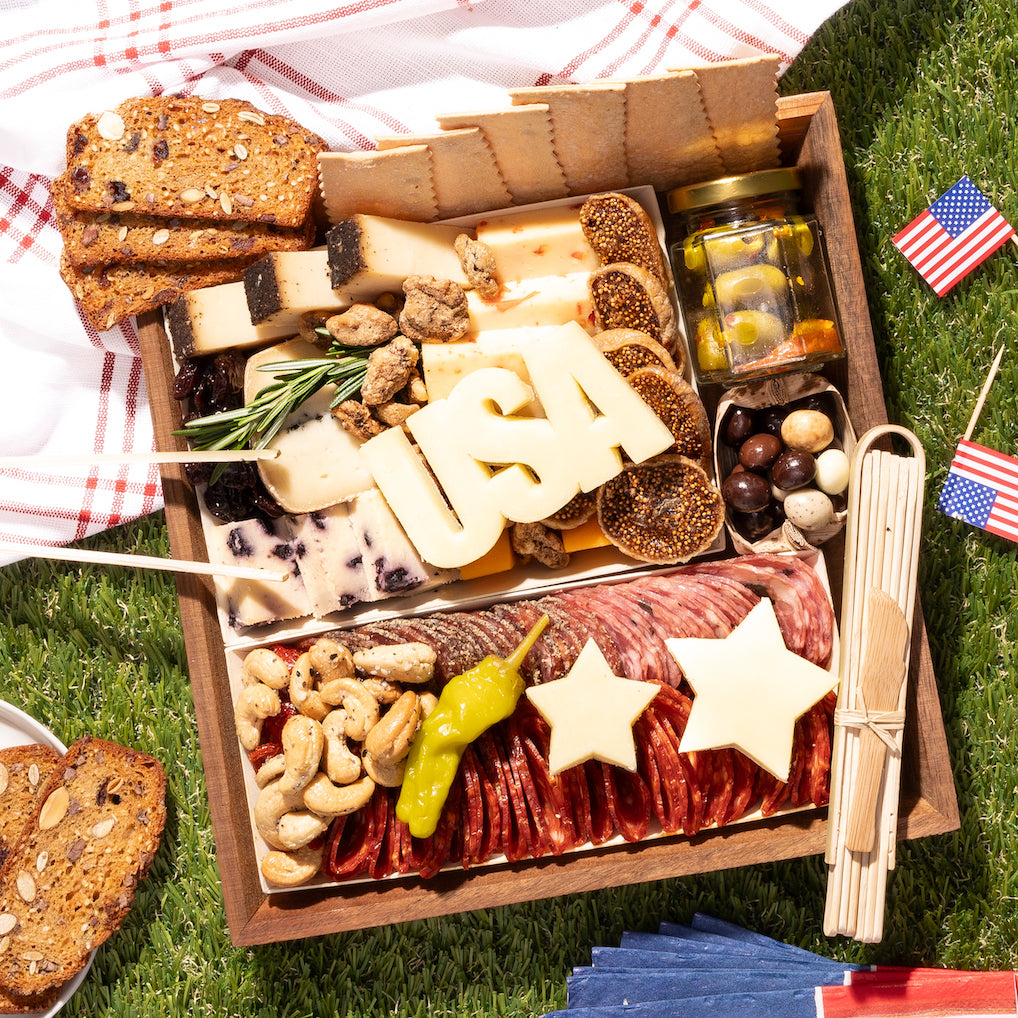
x=809 y=138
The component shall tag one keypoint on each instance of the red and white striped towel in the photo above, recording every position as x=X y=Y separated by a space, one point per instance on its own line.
x=349 y=72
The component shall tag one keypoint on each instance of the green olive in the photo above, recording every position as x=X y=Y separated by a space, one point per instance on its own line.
x=750 y=327
x=753 y=285
x=730 y=250
x=710 y=348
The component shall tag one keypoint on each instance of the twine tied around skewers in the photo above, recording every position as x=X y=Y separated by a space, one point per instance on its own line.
x=884 y=724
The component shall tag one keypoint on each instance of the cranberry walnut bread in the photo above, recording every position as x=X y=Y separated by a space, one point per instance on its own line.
x=70 y=879
x=168 y=193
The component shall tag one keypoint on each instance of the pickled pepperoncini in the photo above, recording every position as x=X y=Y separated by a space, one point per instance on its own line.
x=467 y=707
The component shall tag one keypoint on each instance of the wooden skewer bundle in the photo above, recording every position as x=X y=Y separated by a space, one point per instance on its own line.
x=881 y=568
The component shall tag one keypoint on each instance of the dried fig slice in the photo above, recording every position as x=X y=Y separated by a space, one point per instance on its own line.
x=673 y=399
x=574 y=513
x=628 y=350
x=663 y=511
x=618 y=228
x=628 y=296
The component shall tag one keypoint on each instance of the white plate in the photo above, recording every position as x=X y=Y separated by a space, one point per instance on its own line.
x=18 y=729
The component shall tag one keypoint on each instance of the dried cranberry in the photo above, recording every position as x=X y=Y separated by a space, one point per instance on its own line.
x=80 y=143
x=118 y=190
x=81 y=179
x=265 y=504
x=187 y=378
x=131 y=145
x=160 y=150
x=199 y=473
x=266 y=751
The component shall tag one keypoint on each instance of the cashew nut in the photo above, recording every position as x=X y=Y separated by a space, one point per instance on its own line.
x=280 y=823
x=323 y=797
x=389 y=775
x=254 y=704
x=270 y=770
x=390 y=739
x=358 y=705
x=303 y=694
x=330 y=659
x=398 y=662
x=339 y=762
x=428 y=703
x=290 y=869
x=381 y=689
x=303 y=741
x=264 y=665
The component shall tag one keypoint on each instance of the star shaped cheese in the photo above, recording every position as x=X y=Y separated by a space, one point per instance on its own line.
x=591 y=712
x=750 y=689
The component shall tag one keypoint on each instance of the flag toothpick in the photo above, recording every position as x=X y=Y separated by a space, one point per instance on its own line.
x=958 y=232
x=983 y=393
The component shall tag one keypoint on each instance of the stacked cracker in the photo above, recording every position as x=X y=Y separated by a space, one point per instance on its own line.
x=79 y=831
x=169 y=194
x=555 y=141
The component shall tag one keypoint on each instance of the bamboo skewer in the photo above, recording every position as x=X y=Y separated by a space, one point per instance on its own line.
x=881 y=553
x=187 y=456
x=103 y=558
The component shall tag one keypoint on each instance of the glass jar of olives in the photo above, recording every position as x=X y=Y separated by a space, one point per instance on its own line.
x=752 y=277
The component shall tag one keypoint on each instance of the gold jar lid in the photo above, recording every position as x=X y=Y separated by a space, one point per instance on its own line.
x=726 y=190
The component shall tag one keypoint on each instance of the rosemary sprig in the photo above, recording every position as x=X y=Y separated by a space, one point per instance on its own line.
x=255 y=424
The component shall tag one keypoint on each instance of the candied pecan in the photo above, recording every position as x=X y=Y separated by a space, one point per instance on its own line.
x=536 y=541
x=478 y=262
x=356 y=418
x=362 y=325
x=435 y=310
x=389 y=369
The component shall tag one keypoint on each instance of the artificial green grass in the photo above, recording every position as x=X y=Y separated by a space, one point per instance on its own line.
x=924 y=92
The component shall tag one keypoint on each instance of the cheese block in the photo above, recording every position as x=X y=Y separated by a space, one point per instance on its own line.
x=446 y=364
x=538 y=243
x=372 y=255
x=284 y=285
x=319 y=462
x=259 y=544
x=330 y=559
x=528 y=303
x=214 y=319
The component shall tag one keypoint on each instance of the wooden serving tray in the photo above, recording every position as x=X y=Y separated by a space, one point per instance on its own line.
x=810 y=139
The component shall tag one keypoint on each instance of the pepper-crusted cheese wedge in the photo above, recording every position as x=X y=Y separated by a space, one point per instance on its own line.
x=216 y=318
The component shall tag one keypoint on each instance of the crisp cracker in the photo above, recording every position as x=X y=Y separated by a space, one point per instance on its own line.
x=684 y=153
x=741 y=101
x=589 y=130
x=464 y=172
x=521 y=140
x=397 y=184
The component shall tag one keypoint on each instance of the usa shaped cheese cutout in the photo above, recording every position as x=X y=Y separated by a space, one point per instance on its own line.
x=750 y=690
x=492 y=466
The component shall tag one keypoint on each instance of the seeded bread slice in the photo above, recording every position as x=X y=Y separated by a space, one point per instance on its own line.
x=111 y=238
x=70 y=880
x=23 y=769
x=176 y=156
x=108 y=294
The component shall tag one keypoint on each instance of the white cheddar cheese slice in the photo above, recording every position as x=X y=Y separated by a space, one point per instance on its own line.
x=526 y=303
x=216 y=318
x=538 y=244
x=260 y=545
x=750 y=689
x=591 y=713
x=319 y=462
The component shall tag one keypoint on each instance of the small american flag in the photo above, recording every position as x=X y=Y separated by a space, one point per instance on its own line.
x=956 y=233
x=982 y=489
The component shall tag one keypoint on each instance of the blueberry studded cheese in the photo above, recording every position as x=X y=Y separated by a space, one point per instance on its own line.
x=258 y=544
